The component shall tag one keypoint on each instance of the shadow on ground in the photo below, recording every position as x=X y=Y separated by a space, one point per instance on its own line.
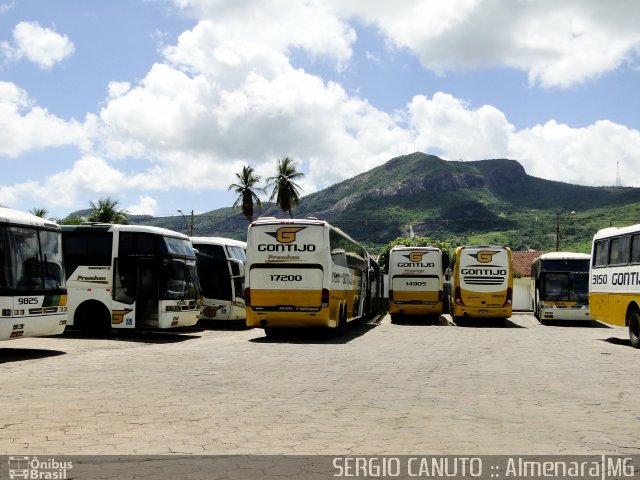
x=141 y=336
x=468 y=322
x=417 y=320
x=624 y=342
x=226 y=325
x=355 y=329
x=22 y=354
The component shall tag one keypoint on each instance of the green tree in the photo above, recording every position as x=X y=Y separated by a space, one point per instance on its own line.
x=70 y=220
x=246 y=189
x=106 y=211
x=383 y=260
x=39 y=212
x=285 y=191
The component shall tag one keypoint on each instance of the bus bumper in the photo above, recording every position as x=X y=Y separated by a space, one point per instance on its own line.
x=414 y=308
x=289 y=319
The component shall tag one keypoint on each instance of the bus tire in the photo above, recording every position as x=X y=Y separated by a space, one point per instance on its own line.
x=273 y=332
x=342 y=323
x=634 y=327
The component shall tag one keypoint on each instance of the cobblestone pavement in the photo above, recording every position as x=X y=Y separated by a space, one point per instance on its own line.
x=410 y=388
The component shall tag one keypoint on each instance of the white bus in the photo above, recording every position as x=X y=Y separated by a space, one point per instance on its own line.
x=306 y=273
x=415 y=281
x=614 y=280
x=33 y=292
x=129 y=276
x=560 y=286
x=220 y=263
x=482 y=282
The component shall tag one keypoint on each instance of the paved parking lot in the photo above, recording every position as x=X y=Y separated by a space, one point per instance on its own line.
x=410 y=388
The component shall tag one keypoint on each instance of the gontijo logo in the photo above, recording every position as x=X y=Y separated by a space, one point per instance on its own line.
x=484 y=256
x=415 y=261
x=415 y=257
x=285 y=237
x=286 y=234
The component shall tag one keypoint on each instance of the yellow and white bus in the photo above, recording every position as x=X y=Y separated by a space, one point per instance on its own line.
x=482 y=284
x=560 y=286
x=220 y=263
x=614 y=280
x=129 y=276
x=415 y=281
x=33 y=292
x=304 y=273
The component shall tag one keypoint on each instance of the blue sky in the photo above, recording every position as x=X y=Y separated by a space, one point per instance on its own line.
x=158 y=103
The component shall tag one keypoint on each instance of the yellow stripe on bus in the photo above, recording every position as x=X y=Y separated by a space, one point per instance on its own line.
x=298 y=298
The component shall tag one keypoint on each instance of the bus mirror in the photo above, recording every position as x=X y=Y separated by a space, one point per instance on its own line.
x=237 y=268
x=447 y=275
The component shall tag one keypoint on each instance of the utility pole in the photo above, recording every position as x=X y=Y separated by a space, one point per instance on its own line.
x=189 y=226
x=558 y=228
x=557 y=231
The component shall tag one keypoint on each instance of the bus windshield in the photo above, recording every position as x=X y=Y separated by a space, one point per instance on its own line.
x=177 y=246
x=30 y=259
x=178 y=279
x=214 y=272
x=566 y=287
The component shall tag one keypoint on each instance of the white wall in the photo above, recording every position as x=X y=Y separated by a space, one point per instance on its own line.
x=522 y=293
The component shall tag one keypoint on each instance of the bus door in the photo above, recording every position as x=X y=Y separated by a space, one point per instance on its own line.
x=147 y=299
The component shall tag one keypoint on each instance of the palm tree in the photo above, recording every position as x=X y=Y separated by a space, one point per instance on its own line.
x=246 y=190
x=39 y=212
x=285 y=191
x=106 y=211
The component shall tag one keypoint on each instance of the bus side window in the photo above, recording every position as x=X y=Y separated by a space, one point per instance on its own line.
x=601 y=253
x=619 y=251
x=635 y=249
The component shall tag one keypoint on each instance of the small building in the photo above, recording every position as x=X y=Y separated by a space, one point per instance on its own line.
x=522 y=261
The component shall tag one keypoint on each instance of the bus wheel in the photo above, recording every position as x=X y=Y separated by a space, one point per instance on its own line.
x=342 y=323
x=536 y=306
x=273 y=332
x=634 y=328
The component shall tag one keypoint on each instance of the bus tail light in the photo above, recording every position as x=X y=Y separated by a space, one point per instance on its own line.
x=508 y=300
x=458 y=297
x=324 y=300
x=440 y=295
x=247 y=297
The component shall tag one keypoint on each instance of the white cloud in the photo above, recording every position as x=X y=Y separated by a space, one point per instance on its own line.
x=38 y=44
x=25 y=127
x=118 y=89
x=5 y=7
x=278 y=25
x=448 y=124
x=146 y=206
x=586 y=156
x=557 y=43
x=227 y=95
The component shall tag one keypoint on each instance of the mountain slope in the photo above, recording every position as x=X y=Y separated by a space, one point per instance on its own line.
x=483 y=201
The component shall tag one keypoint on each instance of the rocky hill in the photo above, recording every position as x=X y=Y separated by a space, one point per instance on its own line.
x=485 y=201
